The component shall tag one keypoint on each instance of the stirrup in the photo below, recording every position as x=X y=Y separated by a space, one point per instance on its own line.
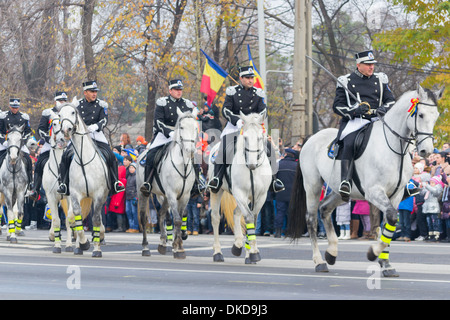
x=145 y=189
x=344 y=190
x=277 y=186
x=62 y=189
x=33 y=195
x=214 y=183
x=119 y=187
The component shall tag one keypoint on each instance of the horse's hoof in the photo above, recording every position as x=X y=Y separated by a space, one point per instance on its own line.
x=330 y=258
x=255 y=257
x=13 y=240
x=179 y=255
x=218 y=257
x=236 y=251
x=85 y=246
x=146 y=253
x=162 y=249
x=69 y=249
x=371 y=255
x=78 y=252
x=322 y=267
x=184 y=235
x=8 y=238
x=96 y=254
x=390 y=273
x=21 y=233
x=56 y=250
x=249 y=261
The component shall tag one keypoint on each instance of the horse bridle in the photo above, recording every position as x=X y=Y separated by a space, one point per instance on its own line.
x=416 y=133
x=408 y=140
x=185 y=166
x=259 y=154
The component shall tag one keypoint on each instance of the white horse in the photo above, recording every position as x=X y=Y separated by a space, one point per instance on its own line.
x=177 y=176
x=88 y=179
x=250 y=175
x=383 y=169
x=14 y=180
x=50 y=184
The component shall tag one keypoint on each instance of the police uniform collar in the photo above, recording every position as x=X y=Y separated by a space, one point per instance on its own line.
x=359 y=74
x=173 y=99
x=243 y=88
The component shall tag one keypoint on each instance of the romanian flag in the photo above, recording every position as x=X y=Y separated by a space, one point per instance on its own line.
x=212 y=80
x=258 y=80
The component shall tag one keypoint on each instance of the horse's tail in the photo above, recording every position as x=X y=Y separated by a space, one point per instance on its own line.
x=297 y=208
x=227 y=206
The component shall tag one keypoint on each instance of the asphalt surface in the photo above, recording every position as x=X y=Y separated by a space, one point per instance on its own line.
x=286 y=273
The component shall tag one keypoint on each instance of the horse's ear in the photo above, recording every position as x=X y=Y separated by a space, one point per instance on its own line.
x=420 y=91
x=179 y=112
x=440 y=93
x=74 y=100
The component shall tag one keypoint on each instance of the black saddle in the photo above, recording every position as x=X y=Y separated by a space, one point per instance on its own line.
x=359 y=144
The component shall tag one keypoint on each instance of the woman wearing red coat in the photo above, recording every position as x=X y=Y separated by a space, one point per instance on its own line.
x=117 y=203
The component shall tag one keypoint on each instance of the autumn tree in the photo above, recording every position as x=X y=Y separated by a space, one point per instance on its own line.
x=425 y=44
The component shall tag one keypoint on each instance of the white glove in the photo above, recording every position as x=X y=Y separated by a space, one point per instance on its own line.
x=93 y=127
x=240 y=123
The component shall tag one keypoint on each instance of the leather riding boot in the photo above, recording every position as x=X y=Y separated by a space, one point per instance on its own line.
x=345 y=187
x=146 y=187
x=216 y=181
x=34 y=194
x=63 y=178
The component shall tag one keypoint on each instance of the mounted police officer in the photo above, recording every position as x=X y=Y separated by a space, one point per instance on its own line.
x=11 y=118
x=44 y=133
x=94 y=113
x=246 y=99
x=375 y=100
x=164 y=121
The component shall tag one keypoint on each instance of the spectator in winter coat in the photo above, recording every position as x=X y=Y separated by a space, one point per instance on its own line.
x=286 y=173
x=131 y=199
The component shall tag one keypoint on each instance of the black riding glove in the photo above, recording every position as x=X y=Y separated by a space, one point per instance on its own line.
x=361 y=110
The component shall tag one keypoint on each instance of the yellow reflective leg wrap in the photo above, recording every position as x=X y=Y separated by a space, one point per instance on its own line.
x=96 y=234
x=184 y=224
x=57 y=232
x=18 y=224
x=169 y=230
x=388 y=233
x=11 y=226
x=78 y=223
x=384 y=255
x=251 y=234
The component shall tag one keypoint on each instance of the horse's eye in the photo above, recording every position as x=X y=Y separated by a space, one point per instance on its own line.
x=421 y=115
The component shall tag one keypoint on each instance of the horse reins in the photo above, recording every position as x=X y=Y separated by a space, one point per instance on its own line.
x=408 y=141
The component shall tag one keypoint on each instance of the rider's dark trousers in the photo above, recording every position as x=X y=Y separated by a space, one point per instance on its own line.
x=39 y=169
x=149 y=162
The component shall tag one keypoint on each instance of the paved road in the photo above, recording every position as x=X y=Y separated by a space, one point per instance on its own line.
x=31 y=271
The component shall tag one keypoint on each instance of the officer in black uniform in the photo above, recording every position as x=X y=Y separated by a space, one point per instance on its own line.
x=94 y=113
x=165 y=119
x=247 y=99
x=44 y=133
x=11 y=118
x=376 y=98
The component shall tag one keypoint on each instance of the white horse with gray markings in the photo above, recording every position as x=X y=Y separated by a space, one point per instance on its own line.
x=383 y=169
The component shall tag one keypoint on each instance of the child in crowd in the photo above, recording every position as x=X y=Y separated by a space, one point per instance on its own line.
x=431 y=207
